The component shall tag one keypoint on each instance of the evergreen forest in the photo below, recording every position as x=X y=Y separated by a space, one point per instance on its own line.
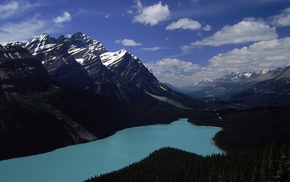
x=255 y=141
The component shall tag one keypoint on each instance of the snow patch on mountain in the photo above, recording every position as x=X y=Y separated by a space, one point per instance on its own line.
x=74 y=50
x=248 y=74
x=111 y=58
x=168 y=100
x=80 y=60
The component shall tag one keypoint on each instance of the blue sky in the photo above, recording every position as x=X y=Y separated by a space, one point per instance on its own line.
x=181 y=41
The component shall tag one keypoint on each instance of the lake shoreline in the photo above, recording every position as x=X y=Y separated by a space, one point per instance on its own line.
x=112 y=153
x=213 y=142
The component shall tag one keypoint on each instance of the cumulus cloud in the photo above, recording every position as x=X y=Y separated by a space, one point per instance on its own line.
x=249 y=30
x=128 y=42
x=138 y=5
x=261 y=55
x=66 y=17
x=281 y=20
x=185 y=24
x=207 y=28
x=173 y=71
x=152 y=15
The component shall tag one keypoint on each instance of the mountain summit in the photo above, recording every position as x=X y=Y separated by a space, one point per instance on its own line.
x=81 y=62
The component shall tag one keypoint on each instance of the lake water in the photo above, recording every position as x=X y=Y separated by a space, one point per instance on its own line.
x=79 y=162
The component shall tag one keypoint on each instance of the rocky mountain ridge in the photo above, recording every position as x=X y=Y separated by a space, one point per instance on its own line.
x=39 y=114
x=81 y=62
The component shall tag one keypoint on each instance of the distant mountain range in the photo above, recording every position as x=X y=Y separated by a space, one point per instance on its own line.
x=81 y=62
x=249 y=88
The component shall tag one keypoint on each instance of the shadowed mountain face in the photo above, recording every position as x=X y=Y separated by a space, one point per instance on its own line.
x=19 y=70
x=39 y=114
x=81 y=62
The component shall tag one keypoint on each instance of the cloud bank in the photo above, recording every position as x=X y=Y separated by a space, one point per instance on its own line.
x=281 y=20
x=269 y=54
x=249 y=30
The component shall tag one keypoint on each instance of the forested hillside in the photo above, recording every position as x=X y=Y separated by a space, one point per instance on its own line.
x=256 y=142
x=168 y=164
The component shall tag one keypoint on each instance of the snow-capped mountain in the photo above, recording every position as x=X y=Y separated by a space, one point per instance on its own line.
x=39 y=115
x=250 y=87
x=238 y=76
x=81 y=62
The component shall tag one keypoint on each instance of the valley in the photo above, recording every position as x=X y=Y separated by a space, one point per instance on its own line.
x=58 y=92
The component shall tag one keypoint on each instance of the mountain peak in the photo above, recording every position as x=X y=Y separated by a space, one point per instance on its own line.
x=42 y=38
x=81 y=39
x=79 y=61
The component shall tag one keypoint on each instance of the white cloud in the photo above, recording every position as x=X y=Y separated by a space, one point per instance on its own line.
x=269 y=54
x=248 y=30
x=130 y=12
x=173 y=71
x=281 y=20
x=260 y=55
x=185 y=24
x=7 y=10
x=152 y=15
x=153 y=48
x=12 y=9
x=128 y=42
x=24 y=30
x=138 y=5
x=207 y=28
x=66 y=17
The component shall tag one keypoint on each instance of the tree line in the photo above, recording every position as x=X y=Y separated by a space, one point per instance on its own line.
x=256 y=141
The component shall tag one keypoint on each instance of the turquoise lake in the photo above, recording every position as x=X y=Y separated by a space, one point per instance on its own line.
x=79 y=162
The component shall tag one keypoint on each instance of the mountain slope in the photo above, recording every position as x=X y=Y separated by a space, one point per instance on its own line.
x=271 y=88
x=22 y=74
x=84 y=63
x=27 y=122
x=39 y=115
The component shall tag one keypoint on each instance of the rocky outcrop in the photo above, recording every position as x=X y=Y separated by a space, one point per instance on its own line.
x=21 y=71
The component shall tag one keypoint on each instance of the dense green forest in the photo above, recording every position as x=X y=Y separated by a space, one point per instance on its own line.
x=256 y=142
